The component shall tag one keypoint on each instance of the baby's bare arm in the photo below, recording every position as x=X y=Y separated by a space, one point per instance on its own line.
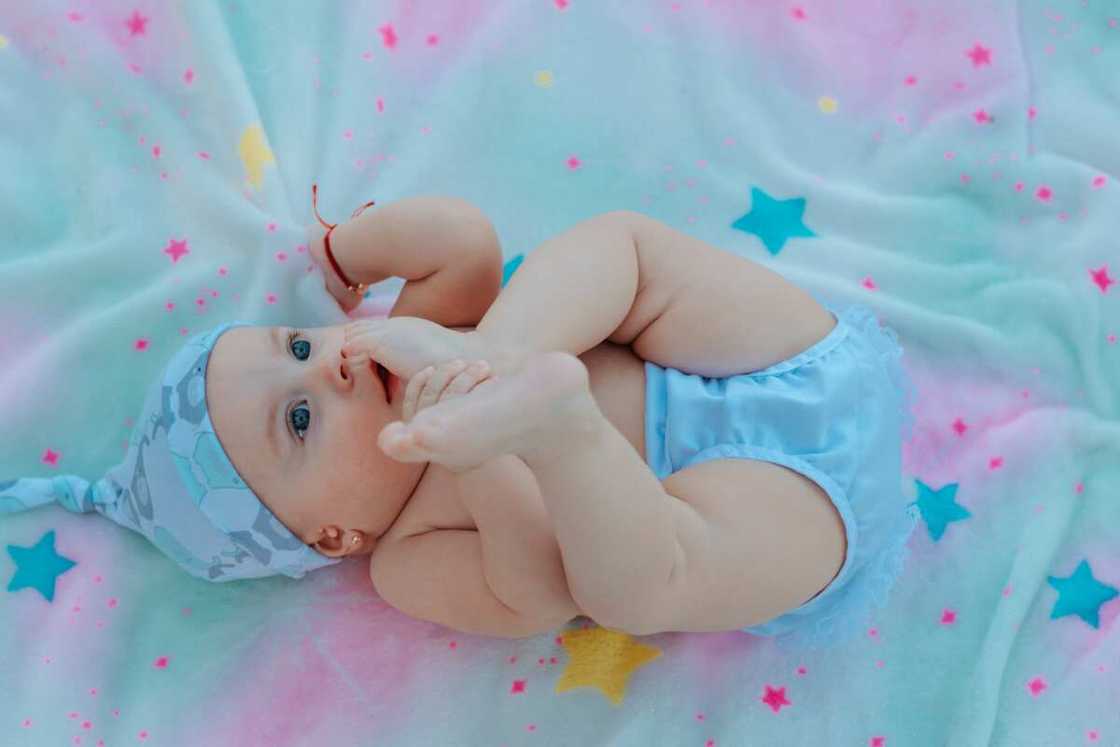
x=521 y=560
x=445 y=249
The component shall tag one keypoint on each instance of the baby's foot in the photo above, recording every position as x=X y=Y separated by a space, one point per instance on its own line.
x=549 y=397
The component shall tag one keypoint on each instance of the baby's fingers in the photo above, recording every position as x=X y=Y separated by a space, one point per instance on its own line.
x=362 y=335
x=358 y=326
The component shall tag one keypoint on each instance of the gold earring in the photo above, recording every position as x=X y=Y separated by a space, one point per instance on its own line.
x=354 y=540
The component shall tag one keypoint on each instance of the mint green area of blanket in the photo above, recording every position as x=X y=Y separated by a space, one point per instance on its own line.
x=961 y=176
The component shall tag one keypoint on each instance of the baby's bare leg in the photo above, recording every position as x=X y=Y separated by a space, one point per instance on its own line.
x=618 y=530
x=569 y=294
x=676 y=300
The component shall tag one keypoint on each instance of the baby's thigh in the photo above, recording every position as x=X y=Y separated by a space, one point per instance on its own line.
x=707 y=311
x=773 y=541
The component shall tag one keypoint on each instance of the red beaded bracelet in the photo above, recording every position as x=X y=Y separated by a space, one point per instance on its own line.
x=352 y=287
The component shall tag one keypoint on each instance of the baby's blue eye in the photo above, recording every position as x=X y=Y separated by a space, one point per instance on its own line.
x=301 y=415
x=300 y=346
x=301 y=419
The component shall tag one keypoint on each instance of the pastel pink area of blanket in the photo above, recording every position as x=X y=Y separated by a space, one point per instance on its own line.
x=845 y=51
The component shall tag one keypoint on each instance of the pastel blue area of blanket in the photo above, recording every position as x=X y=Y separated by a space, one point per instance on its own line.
x=960 y=176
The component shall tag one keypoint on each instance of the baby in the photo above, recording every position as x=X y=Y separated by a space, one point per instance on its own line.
x=640 y=428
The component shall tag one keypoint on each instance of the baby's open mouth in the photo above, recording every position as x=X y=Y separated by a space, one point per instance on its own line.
x=383 y=375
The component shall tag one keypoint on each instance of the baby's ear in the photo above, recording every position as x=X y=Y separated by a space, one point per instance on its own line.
x=327 y=547
x=342 y=544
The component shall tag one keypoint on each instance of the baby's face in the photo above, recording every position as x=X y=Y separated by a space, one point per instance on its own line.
x=300 y=424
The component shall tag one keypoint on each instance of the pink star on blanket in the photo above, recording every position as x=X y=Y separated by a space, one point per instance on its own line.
x=136 y=24
x=1101 y=278
x=1036 y=686
x=176 y=249
x=980 y=55
x=388 y=36
x=775 y=698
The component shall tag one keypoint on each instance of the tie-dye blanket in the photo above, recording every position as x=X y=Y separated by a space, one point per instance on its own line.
x=952 y=164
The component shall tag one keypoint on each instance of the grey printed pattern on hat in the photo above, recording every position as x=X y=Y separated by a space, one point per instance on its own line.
x=178 y=487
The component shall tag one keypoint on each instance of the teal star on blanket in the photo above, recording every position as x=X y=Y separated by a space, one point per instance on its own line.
x=939 y=507
x=510 y=268
x=38 y=567
x=1081 y=595
x=773 y=221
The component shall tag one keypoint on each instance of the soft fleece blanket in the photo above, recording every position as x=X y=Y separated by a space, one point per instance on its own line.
x=952 y=164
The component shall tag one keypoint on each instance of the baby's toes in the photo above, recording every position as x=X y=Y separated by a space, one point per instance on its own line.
x=466 y=381
x=405 y=443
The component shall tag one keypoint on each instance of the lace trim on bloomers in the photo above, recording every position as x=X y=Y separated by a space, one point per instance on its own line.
x=868 y=590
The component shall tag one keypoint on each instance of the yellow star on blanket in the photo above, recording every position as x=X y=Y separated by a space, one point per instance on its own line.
x=604 y=659
x=255 y=153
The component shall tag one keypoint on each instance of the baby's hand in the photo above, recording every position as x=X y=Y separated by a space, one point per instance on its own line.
x=442 y=382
